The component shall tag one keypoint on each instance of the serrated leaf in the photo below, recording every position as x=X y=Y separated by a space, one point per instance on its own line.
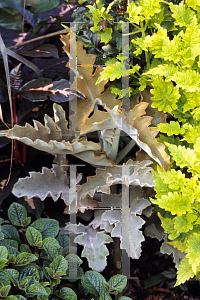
x=17 y=214
x=52 y=182
x=183 y=16
x=66 y=293
x=129 y=219
x=135 y=173
x=184 y=272
x=165 y=95
x=177 y=203
x=170 y=128
x=177 y=255
x=86 y=82
x=47 y=227
x=94 y=248
x=184 y=157
x=34 y=237
x=25 y=258
x=193 y=251
x=98 y=222
x=93 y=282
x=55 y=138
x=117 y=283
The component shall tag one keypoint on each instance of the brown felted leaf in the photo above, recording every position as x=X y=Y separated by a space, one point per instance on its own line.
x=54 y=138
x=87 y=83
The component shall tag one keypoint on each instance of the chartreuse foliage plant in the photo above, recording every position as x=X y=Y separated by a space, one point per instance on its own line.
x=178 y=192
x=33 y=266
x=165 y=56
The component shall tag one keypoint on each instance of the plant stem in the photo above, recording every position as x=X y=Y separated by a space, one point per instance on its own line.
x=115 y=145
x=125 y=151
x=40 y=38
x=146 y=53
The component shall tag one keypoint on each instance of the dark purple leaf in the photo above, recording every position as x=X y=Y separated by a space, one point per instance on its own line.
x=44 y=50
x=3 y=91
x=51 y=67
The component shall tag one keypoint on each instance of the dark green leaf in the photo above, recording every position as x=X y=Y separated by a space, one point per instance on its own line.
x=74 y=262
x=19 y=297
x=10 y=232
x=3 y=252
x=51 y=242
x=14 y=274
x=50 y=271
x=124 y=298
x=117 y=283
x=11 y=259
x=11 y=297
x=1 y=236
x=63 y=240
x=17 y=214
x=34 y=237
x=59 y=264
x=66 y=293
x=105 y=296
x=93 y=282
x=37 y=289
x=74 y=277
x=46 y=5
x=4 y=291
x=26 y=222
x=47 y=227
x=3 y=262
x=51 y=251
x=23 y=284
x=12 y=250
x=4 y=277
x=25 y=248
x=7 y=242
x=29 y=270
x=25 y=258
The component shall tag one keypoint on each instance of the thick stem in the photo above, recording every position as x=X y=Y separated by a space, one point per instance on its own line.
x=125 y=151
x=115 y=145
x=116 y=244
